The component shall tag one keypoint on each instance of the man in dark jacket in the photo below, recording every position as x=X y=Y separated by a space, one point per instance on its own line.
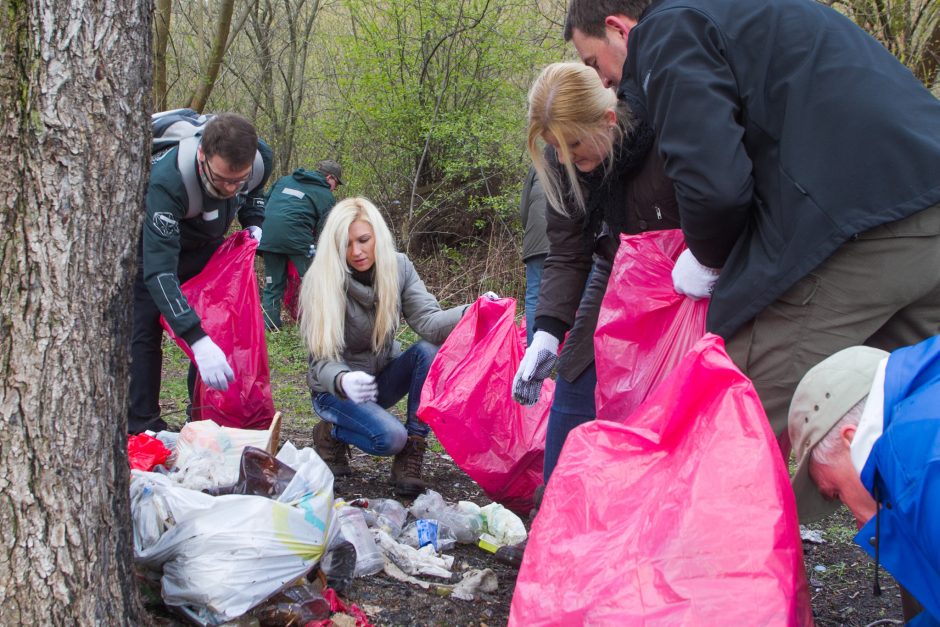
x=534 y=244
x=296 y=209
x=228 y=169
x=805 y=159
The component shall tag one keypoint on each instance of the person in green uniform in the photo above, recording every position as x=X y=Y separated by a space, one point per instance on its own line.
x=296 y=209
x=225 y=168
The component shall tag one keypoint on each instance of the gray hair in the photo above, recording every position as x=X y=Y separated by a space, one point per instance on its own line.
x=824 y=453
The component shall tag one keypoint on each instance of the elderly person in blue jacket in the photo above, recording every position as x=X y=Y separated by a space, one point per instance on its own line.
x=865 y=428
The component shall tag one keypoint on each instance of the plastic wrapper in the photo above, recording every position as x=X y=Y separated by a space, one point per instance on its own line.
x=145 y=452
x=225 y=295
x=681 y=515
x=465 y=526
x=445 y=537
x=423 y=561
x=390 y=515
x=644 y=327
x=467 y=400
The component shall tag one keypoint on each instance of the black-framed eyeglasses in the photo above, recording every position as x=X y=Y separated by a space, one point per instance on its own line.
x=221 y=180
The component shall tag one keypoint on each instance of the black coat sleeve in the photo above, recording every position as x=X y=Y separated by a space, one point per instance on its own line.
x=676 y=66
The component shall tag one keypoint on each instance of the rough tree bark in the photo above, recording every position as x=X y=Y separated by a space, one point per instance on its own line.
x=74 y=98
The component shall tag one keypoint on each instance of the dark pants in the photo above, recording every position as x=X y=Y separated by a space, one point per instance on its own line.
x=368 y=426
x=275 y=281
x=881 y=289
x=147 y=344
x=572 y=405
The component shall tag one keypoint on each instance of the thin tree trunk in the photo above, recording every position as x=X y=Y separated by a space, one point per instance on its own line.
x=163 y=9
x=74 y=98
x=219 y=42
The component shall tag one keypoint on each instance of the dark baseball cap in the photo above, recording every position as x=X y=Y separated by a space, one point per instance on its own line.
x=328 y=166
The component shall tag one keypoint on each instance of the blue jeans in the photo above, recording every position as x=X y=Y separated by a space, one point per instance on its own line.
x=368 y=426
x=533 y=280
x=572 y=405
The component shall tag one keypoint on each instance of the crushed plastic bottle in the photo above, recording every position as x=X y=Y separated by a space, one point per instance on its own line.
x=369 y=558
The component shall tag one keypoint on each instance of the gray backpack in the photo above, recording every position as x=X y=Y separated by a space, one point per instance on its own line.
x=183 y=128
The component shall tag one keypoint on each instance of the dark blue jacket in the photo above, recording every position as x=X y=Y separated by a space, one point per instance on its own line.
x=903 y=473
x=787 y=129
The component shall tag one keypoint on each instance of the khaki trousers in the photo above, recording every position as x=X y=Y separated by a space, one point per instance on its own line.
x=881 y=288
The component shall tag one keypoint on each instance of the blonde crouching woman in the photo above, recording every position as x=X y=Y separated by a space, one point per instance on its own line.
x=352 y=300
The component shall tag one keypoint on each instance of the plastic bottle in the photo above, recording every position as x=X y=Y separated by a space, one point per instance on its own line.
x=369 y=558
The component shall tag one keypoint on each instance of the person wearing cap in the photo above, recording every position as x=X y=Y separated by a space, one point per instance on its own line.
x=296 y=210
x=865 y=428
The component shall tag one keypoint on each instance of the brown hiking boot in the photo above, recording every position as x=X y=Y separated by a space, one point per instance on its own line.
x=406 y=467
x=331 y=450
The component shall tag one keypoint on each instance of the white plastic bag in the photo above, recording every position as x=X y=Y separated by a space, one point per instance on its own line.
x=223 y=555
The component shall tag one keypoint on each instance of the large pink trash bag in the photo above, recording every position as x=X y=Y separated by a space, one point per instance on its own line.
x=644 y=327
x=681 y=515
x=467 y=400
x=225 y=295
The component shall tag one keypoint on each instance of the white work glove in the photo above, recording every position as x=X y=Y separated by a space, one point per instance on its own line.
x=255 y=232
x=212 y=365
x=359 y=386
x=490 y=295
x=691 y=278
x=536 y=365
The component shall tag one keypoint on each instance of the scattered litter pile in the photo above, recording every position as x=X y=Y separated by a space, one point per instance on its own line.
x=232 y=530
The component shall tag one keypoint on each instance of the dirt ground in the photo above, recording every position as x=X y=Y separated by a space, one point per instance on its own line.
x=840 y=574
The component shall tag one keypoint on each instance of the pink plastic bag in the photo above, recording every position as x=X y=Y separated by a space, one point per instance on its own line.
x=225 y=295
x=292 y=292
x=467 y=400
x=683 y=515
x=644 y=327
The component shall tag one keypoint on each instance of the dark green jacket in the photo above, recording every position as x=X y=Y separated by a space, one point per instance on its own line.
x=296 y=209
x=167 y=233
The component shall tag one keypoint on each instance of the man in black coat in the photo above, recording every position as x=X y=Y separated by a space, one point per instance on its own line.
x=805 y=160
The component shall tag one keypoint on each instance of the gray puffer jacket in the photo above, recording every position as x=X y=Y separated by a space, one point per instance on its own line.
x=420 y=309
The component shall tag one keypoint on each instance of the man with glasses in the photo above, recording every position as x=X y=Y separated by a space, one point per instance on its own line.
x=231 y=165
x=296 y=209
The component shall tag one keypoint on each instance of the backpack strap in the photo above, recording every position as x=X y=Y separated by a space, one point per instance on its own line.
x=186 y=163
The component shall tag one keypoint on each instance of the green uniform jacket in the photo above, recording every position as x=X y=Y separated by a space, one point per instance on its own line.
x=295 y=212
x=420 y=309
x=167 y=233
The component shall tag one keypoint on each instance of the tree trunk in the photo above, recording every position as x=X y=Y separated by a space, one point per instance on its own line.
x=163 y=10
x=74 y=98
x=216 y=54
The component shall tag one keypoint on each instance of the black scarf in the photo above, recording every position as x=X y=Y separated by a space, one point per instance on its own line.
x=601 y=185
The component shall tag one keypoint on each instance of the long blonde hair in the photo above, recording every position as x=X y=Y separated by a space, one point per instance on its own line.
x=569 y=101
x=323 y=291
